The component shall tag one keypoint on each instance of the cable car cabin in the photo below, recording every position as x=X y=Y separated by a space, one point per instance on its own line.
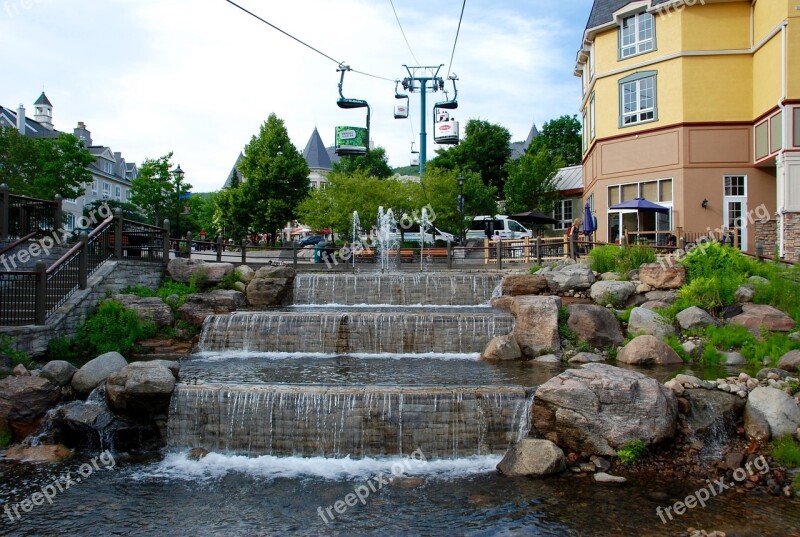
x=445 y=129
x=414 y=159
x=401 y=111
x=351 y=140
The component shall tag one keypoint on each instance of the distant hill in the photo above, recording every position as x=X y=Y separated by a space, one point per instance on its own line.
x=407 y=170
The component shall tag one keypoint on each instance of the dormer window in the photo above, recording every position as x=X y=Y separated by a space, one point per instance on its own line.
x=637 y=35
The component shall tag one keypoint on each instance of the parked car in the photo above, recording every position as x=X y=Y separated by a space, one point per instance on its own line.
x=311 y=240
x=490 y=227
x=412 y=234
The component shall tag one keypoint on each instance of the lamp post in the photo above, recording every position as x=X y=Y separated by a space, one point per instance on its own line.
x=178 y=173
x=461 y=207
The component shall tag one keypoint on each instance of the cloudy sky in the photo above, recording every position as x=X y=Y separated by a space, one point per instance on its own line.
x=198 y=77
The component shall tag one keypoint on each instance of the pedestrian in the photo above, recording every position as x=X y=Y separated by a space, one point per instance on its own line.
x=572 y=238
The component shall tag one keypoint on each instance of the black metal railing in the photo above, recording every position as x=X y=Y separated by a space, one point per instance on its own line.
x=63 y=279
x=17 y=298
x=22 y=215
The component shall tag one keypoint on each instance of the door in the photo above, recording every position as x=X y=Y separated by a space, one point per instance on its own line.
x=734 y=206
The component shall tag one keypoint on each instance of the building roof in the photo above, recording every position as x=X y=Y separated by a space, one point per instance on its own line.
x=518 y=148
x=43 y=100
x=603 y=10
x=33 y=129
x=569 y=178
x=315 y=153
x=234 y=169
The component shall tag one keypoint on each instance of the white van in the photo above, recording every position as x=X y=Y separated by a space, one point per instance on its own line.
x=413 y=235
x=491 y=227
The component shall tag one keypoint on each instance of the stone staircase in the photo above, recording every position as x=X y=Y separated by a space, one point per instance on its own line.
x=16 y=260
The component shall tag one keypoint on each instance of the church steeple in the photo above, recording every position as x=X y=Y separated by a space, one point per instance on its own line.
x=43 y=111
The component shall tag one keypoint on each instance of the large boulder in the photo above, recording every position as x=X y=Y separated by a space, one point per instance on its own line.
x=586 y=358
x=59 y=372
x=662 y=296
x=246 y=274
x=594 y=324
x=599 y=408
x=536 y=329
x=612 y=292
x=24 y=402
x=40 y=454
x=501 y=348
x=271 y=287
x=88 y=377
x=523 y=284
x=770 y=413
x=148 y=308
x=713 y=414
x=140 y=388
x=204 y=274
x=756 y=316
x=577 y=277
x=200 y=305
x=694 y=318
x=533 y=458
x=790 y=361
x=645 y=321
x=648 y=350
x=659 y=277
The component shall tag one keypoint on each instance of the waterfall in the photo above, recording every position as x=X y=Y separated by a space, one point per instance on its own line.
x=351 y=421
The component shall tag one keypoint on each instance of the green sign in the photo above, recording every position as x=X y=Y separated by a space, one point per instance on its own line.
x=351 y=140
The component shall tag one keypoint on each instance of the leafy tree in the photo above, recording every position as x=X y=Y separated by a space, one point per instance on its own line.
x=201 y=211
x=531 y=182
x=157 y=192
x=44 y=167
x=231 y=215
x=129 y=210
x=562 y=138
x=276 y=179
x=485 y=150
x=373 y=164
x=441 y=192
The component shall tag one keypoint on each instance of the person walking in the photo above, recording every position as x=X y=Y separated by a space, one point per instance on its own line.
x=572 y=238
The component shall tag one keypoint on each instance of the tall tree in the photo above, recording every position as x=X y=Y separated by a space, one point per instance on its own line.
x=276 y=177
x=531 y=182
x=441 y=192
x=158 y=192
x=562 y=138
x=485 y=150
x=373 y=164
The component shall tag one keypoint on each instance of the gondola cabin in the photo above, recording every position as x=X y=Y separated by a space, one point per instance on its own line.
x=351 y=141
x=401 y=111
x=445 y=129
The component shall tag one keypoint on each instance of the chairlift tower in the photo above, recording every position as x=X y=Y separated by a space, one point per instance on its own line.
x=413 y=83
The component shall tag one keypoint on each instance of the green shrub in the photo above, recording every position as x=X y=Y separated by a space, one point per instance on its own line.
x=782 y=292
x=711 y=356
x=632 y=452
x=624 y=315
x=673 y=341
x=229 y=282
x=139 y=290
x=604 y=258
x=709 y=293
x=728 y=336
x=786 y=451
x=17 y=357
x=637 y=255
x=114 y=328
x=712 y=260
x=612 y=258
x=564 y=331
x=64 y=348
x=772 y=345
x=5 y=439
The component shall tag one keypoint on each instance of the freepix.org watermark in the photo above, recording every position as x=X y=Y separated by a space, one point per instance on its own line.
x=14 y=8
x=15 y=511
x=44 y=245
x=362 y=492
x=714 y=488
x=669 y=9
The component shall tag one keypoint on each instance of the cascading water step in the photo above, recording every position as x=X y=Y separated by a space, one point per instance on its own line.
x=336 y=421
x=354 y=332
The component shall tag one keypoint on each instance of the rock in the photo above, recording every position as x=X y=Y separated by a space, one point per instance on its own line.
x=734 y=358
x=643 y=288
x=271 y=286
x=602 y=477
x=548 y=359
x=610 y=292
x=690 y=381
x=246 y=274
x=88 y=377
x=5 y=361
x=59 y=372
x=595 y=325
x=536 y=329
x=790 y=361
x=505 y=303
x=648 y=350
x=201 y=305
x=601 y=464
x=523 y=284
x=148 y=308
x=141 y=387
x=773 y=407
x=533 y=458
x=643 y=321
x=5 y=372
x=24 y=401
x=586 y=358
x=676 y=387
x=764 y=373
x=744 y=294
x=756 y=316
x=577 y=277
x=241 y=287
x=599 y=408
x=658 y=277
x=713 y=414
x=689 y=347
x=20 y=371
x=502 y=348
x=205 y=274
x=694 y=318
x=196 y=454
x=653 y=305
x=663 y=296
x=611 y=276
x=173 y=366
x=794 y=336
x=734 y=460
x=40 y=454
x=757 y=280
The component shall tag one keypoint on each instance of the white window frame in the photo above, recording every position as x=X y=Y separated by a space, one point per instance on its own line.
x=94 y=187
x=108 y=167
x=638 y=83
x=741 y=198
x=118 y=193
x=128 y=194
x=591 y=62
x=559 y=214
x=642 y=43
x=592 y=117
x=585 y=133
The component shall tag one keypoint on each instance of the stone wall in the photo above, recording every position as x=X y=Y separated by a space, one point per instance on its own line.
x=767 y=233
x=110 y=278
x=791 y=236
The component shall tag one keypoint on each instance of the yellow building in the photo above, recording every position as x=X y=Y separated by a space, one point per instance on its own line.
x=695 y=105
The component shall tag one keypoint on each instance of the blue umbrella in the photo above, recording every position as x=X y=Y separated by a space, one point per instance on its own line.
x=640 y=204
x=589 y=224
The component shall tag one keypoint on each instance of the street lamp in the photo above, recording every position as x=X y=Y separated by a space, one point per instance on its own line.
x=178 y=173
x=461 y=206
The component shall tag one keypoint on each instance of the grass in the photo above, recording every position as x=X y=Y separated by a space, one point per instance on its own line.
x=564 y=331
x=786 y=451
x=734 y=337
x=673 y=341
x=17 y=357
x=624 y=315
x=612 y=258
x=632 y=452
x=711 y=356
x=167 y=289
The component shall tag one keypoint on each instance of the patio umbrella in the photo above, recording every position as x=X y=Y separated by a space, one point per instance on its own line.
x=589 y=223
x=640 y=205
x=534 y=217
